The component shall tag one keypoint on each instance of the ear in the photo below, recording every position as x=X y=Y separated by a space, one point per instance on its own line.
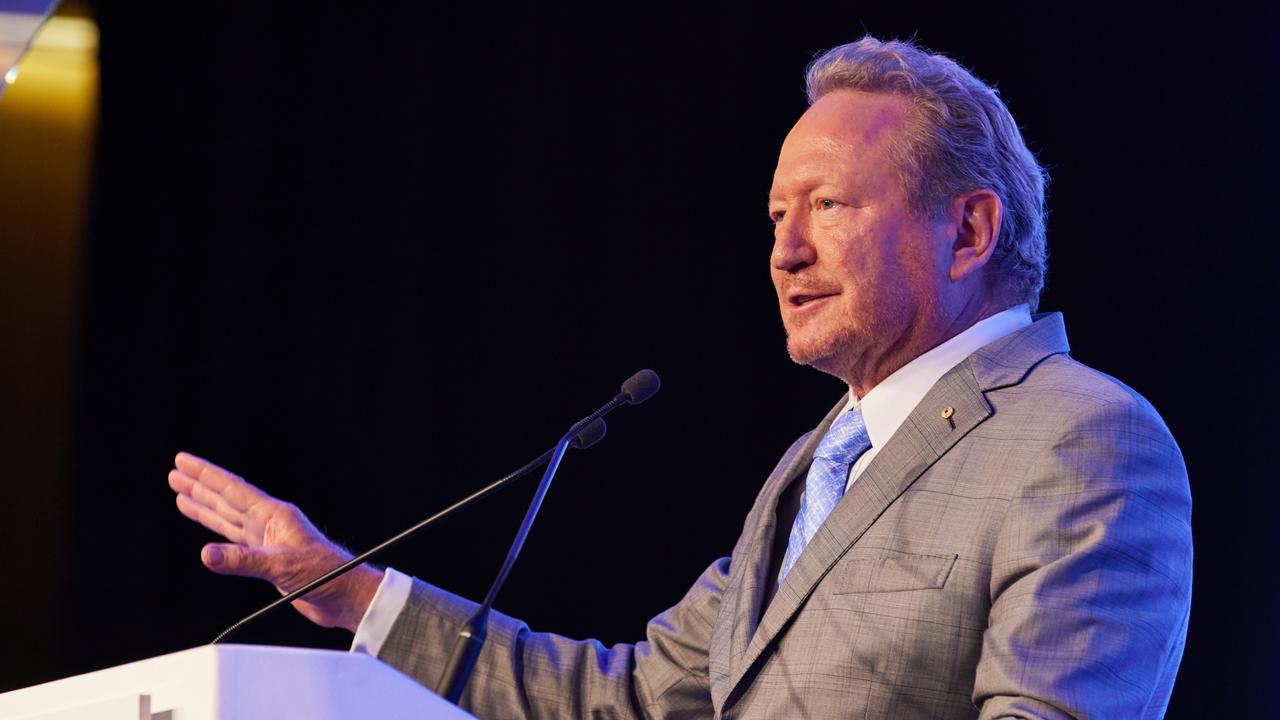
x=976 y=215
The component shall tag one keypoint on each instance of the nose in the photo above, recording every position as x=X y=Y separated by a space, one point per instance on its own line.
x=792 y=249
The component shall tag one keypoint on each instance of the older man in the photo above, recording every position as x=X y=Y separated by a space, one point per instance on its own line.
x=982 y=527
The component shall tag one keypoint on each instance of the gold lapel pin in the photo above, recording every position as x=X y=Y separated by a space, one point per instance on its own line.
x=948 y=414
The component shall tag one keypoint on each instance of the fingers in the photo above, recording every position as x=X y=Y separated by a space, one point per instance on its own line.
x=201 y=504
x=232 y=488
x=201 y=493
x=212 y=520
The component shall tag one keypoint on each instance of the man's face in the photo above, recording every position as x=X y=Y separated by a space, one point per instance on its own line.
x=856 y=273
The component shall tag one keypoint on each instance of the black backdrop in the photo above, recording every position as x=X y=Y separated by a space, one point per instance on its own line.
x=372 y=256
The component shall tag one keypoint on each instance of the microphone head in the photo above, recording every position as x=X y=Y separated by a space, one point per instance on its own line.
x=590 y=435
x=641 y=386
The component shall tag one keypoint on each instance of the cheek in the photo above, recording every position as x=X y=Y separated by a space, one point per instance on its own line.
x=867 y=255
x=920 y=275
x=776 y=277
x=886 y=269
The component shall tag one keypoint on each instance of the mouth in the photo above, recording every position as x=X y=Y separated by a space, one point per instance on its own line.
x=798 y=300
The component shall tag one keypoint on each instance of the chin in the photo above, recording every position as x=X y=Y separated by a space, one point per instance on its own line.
x=828 y=351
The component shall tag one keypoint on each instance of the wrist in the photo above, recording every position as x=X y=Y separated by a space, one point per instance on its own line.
x=363 y=584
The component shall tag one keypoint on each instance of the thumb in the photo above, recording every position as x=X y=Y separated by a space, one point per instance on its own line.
x=233 y=559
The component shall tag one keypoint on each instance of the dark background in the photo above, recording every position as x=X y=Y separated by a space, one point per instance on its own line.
x=374 y=256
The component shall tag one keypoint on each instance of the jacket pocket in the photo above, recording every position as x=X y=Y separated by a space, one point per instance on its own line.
x=870 y=571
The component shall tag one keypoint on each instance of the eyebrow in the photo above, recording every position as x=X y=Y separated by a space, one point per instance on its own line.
x=803 y=181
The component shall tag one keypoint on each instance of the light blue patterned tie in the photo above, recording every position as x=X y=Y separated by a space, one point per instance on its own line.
x=828 y=474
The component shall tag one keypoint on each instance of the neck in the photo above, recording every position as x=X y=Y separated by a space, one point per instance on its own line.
x=914 y=340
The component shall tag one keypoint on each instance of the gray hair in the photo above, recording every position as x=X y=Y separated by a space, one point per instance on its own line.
x=961 y=138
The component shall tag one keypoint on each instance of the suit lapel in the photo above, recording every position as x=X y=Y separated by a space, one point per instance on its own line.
x=752 y=569
x=955 y=405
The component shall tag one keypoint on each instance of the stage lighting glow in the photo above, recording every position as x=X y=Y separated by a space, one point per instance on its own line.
x=68 y=33
x=59 y=67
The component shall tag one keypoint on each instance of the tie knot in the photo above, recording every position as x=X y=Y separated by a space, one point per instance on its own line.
x=846 y=439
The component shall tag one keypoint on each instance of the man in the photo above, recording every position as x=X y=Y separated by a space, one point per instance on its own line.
x=982 y=527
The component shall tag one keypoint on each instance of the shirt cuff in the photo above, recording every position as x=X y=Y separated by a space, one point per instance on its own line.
x=388 y=601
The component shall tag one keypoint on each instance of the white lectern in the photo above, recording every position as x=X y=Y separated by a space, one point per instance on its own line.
x=234 y=682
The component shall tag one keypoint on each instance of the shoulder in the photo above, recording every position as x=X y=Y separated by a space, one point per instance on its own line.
x=1076 y=406
x=1063 y=396
x=1087 y=434
x=1030 y=375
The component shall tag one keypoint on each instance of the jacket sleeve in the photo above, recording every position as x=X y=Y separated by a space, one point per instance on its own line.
x=525 y=674
x=1091 y=576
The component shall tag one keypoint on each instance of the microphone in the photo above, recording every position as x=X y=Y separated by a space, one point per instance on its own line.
x=471 y=638
x=641 y=386
x=588 y=434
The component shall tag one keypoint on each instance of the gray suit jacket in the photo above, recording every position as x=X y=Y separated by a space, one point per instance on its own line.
x=1027 y=557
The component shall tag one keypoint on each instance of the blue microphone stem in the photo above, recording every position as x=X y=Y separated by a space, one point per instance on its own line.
x=471 y=638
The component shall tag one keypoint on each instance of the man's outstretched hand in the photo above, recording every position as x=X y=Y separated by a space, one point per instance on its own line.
x=271 y=540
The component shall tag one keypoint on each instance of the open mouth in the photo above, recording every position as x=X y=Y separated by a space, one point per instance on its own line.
x=803 y=300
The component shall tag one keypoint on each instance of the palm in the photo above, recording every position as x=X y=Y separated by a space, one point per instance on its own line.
x=270 y=539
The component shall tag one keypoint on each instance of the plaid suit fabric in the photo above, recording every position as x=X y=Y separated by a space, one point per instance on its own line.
x=1029 y=556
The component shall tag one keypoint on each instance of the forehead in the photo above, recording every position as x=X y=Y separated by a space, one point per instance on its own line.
x=852 y=117
x=845 y=131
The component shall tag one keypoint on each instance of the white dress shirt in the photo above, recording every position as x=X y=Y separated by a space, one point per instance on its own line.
x=884 y=409
x=887 y=406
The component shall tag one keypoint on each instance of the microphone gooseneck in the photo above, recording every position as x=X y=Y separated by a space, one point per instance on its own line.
x=587 y=433
x=471 y=638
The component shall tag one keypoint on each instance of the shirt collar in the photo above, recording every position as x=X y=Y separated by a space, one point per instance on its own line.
x=888 y=404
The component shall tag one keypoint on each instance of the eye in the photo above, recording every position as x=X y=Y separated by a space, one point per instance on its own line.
x=776 y=216
x=827 y=204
